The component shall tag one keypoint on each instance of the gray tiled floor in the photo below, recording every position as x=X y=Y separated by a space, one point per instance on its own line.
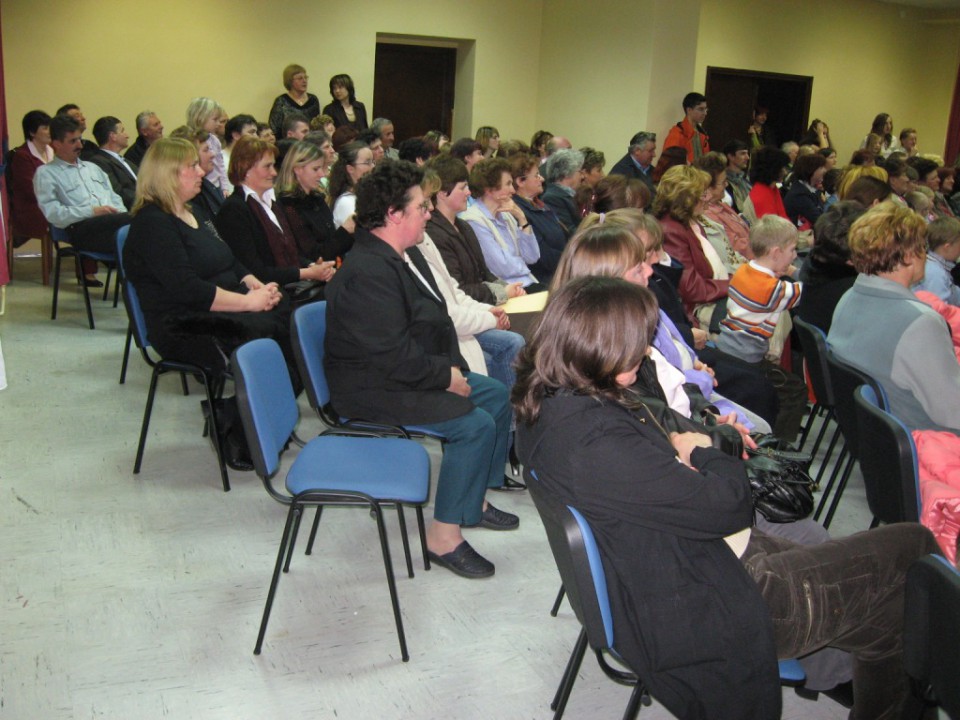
x=140 y=596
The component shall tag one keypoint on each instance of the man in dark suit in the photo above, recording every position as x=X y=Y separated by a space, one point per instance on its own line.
x=149 y=130
x=638 y=162
x=112 y=138
x=392 y=357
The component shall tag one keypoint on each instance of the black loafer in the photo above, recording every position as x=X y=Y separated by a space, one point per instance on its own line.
x=509 y=484
x=92 y=282
x=464 y=561
x=493 y=519
x=841 y=694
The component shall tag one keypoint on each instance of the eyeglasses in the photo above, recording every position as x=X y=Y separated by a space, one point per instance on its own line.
x=363 y=162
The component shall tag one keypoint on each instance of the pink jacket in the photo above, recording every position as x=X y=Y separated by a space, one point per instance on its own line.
x=938 y=453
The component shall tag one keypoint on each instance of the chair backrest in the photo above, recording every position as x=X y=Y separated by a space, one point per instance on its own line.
x=888 y=461
x=268 y=407
x=931 y=634
x=130 y=298
x=813 y=342
x=309 y=328
x=845 y=379
x=578 y=560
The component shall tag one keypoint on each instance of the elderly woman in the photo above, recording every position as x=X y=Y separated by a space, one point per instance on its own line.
x=563 y=174
x=489 y=139
x=703 y=604
x=354 y=160
x=305 y=206
x=345 y=108
x=725 y=228
x=199 y=302
x=508 y=243
x=204 y=114
x=804 y=200
x=209 y=200
x=682 y=197
x=295 y=100
x=768 y=168
x=254 y=227
x=26 y=217
x=551 y=234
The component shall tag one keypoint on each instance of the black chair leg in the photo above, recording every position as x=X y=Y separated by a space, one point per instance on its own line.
x=292 y=541
x=214 y=390
x=633 y=706
x=294 y=509
x=106 y=285
x=814 y=411
x=56 y=287
x=556 y=603
x=559 y=703
x=837 y=470
x=183 y=383
x=116 y=287
x=423 y=537
x=848 y=470
x=829 y=454
x=405 y=539
x=820 y=434
x=313 y=529
x=86 y=294
x=146 y=420
x=391 y=582
x=126 y=355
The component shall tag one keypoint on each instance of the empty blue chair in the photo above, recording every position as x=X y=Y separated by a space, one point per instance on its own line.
x=332 y=469
x=137 y=329
x=64 y=249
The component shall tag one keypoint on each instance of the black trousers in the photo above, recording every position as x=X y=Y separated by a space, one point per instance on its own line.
x=848 y=594
x=99 y=233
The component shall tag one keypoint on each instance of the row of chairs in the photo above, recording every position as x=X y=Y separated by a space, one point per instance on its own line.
x=63 y=249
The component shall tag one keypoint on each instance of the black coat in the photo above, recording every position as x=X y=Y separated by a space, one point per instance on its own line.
x=551 y=237
x=686 y=613
x=390 y=343
x=122 y=182
x=311 y=216
x=463 y=257
x=564 y=205
x=339 y=115
x=242 y=231
x=628 y=168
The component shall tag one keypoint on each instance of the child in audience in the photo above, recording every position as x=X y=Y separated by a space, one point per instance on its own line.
x=943 y=250
x=756 y=300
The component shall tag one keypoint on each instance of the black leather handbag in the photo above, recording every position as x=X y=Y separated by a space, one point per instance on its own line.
x=782 y=489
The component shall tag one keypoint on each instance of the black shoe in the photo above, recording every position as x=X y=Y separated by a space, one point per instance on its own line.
x=493 y=519
x=464 y=561
x=841 y=694
x=92 y=282
x=510 y=484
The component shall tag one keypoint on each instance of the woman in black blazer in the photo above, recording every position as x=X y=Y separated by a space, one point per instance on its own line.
x=252 y=225
x=345 y=108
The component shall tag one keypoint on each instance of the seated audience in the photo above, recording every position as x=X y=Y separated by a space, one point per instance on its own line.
x=818 y=135
x=638 y=162
x=538 y=143
x=439 y=140
x=897 y=178
x=738 y=160
x=392 y=357
x=342 y=136
x=941 y=204
x=619 y=191
x=827 y=272
x=383 y=127
x=868 y=190
x=670 y=157
x=757 y=298
x=252 y=225
x=303 y=203
x=87 y=147
x=557 y=142
x=908 y=142
x=265 y=133
x=831 y=179
x=830 y=155
x=768 y=168
x=489 y=139
x=562 y=174
x=204 y=114
x=455 y=239
x=551 y=234
x=295 y=126
x=295 y=100
x=237 y=127
x=76 y=196
x=354 y=160
x=26 y=218
x=508 y=243
x=594 y=445
x=149 y=130
x=345 y=108
x=943 y=250
x=804 y=200
x=199 y=303
x=883 y=143
x=467 y=150
x=416 y=150
x=592 y=168
x=726 y=230
x=112 y=137
x=372 y=140
x=207 y=203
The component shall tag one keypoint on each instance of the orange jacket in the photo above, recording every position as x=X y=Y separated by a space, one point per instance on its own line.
x=681 y=135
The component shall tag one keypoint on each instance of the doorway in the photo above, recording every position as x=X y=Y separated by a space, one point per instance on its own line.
x=733 y=94
x=414 y=86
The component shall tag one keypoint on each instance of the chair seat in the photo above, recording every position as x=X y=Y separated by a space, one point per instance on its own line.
x=398 y=469
x=414 y=429
x=791 y=671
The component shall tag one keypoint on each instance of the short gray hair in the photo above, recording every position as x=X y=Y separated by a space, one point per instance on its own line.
x=143 y=118
x=640 y=139
x=562 y=164
x=379 y=124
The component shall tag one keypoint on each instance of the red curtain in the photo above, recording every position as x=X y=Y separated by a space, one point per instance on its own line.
x=952 y=148
x=4 y=206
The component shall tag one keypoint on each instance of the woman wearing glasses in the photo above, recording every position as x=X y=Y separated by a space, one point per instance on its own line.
x=355 y=160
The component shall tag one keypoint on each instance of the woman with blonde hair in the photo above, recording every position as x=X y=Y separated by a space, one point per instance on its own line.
x=302 y=200
x=203 y=113
x=295 y=100
x=682 y=197
x=489 y=139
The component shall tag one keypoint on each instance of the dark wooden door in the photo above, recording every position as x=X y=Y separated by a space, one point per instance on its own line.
x=732 y=95
x=413 y=85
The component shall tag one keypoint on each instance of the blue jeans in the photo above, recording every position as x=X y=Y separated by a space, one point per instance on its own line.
x=474 y=454
x=500 y=348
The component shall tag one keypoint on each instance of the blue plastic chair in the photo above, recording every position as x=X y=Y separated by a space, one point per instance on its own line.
x=331 y=469
x=578 y=559
x=137 y=329
x=888 y=461
x=931 y=634
x=63 y=249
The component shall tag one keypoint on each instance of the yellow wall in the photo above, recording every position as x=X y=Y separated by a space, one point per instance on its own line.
x=595 y=71
x=866 y=57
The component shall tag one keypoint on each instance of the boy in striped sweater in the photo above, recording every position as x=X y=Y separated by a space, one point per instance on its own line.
x=756 y=299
